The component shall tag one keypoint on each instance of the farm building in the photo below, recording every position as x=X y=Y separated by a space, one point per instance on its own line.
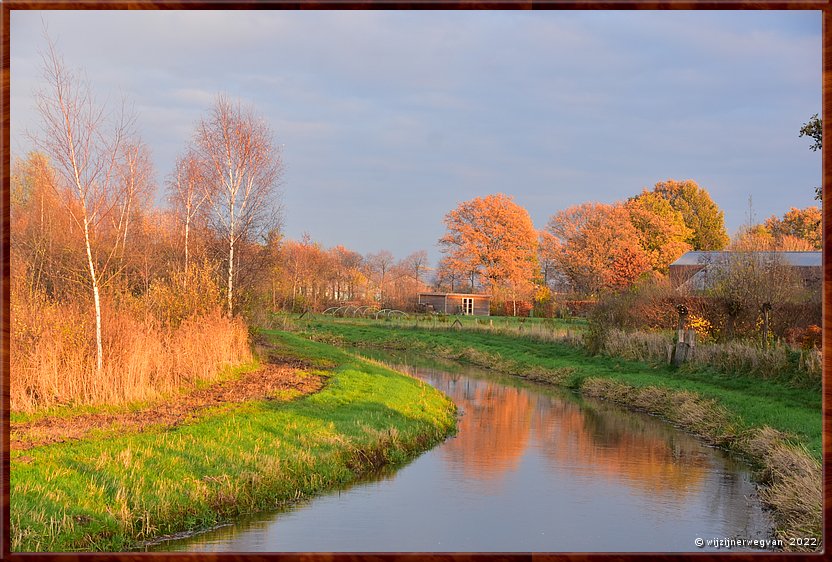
x=468 y=304
x=697 y=270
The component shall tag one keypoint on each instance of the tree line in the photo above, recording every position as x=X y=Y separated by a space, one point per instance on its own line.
x=92 y=252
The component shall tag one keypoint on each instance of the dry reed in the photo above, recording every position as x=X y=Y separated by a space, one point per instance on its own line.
x=730 y=357
x=53 y=355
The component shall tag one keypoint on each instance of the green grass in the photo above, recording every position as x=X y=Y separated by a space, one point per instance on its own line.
x=112 y=494
x=755 y=402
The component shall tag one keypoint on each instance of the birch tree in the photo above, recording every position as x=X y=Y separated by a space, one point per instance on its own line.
x=189 y=193
x=243 y=166
x=136 y=173
x=83 y=142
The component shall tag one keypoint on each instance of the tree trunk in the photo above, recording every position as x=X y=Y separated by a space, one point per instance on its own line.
x=99 y=359
x=187 y=232
x=230 y=274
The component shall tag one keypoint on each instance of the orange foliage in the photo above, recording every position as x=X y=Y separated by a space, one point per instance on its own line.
x=600 y=247
x=661 y=229
x=804 y=224
x=705 y=219
x=494 y=237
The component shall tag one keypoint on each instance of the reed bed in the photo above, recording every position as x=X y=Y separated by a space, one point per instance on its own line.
x=53 y=355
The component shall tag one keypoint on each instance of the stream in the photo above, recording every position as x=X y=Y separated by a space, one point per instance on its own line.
x=532 y=469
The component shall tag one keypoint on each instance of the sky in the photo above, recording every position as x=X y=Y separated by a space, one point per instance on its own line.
x=389 y=119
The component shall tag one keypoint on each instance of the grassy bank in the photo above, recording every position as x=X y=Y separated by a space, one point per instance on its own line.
x=113 y=493
x=774 y=425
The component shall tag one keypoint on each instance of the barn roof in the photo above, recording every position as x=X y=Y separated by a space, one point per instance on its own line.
x=795 y=259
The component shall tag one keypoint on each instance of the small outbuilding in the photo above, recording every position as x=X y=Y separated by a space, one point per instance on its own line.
x=468 y=304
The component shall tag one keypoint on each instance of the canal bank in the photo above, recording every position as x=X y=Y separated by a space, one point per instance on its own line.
x=774 y=426
x=111 y=492
x=532 y=468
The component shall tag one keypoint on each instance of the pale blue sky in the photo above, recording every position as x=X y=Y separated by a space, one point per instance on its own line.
x=390 y=119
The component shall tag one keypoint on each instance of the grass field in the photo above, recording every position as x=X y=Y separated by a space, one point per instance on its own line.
x=113 y=493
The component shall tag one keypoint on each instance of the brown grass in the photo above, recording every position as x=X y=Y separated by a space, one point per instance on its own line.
x=729 y=357
x=792 y=483
x=702 y=416
x=53 y=354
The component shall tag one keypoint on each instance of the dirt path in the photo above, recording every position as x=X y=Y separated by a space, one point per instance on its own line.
x=262 y=384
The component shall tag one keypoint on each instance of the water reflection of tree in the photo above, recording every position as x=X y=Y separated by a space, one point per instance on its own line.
x=592 y=438
x=494 y=429
x=623 y=447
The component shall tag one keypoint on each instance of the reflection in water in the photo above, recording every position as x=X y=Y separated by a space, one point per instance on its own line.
x=593 y=439
x=496 y=422
x=531 y=469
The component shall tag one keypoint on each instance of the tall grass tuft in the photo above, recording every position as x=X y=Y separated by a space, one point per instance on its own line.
x=779 y=361
x=53 y=354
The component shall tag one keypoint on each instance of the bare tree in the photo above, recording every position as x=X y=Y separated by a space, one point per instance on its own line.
x=84 y=142
x=136 y=171
x=415 y=264
x=379 y=265
x=243 y=167
x=189 y=193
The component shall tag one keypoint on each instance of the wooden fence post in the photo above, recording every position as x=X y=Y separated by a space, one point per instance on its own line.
x=766 y=309
x=680 y=353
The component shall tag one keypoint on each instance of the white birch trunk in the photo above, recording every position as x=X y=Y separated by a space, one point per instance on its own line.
x=96 y=298
x=230 y=274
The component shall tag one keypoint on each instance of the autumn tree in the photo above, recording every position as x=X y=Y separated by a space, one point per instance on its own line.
x=449 y=276
x=661 y=229
x=346 y=273
x=242 y=166
x=84 y=143
x=600 y=247
x=496 y=237
x=699 y=212
x=38 y=229
x=752 y=238
x=788 y=243
x=304 y=263
x=804 y=224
